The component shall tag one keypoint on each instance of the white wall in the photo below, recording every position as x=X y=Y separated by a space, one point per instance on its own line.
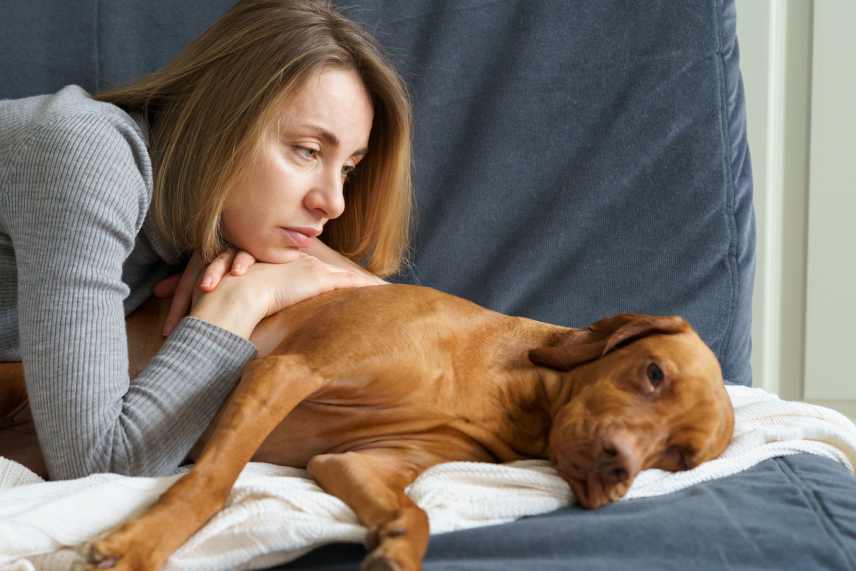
x=831 y=286
x=797 y=58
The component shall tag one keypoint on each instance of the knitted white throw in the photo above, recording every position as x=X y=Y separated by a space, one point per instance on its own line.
x=277 y=514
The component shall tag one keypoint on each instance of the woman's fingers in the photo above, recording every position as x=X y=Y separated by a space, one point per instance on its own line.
x=167 y=286
x=216 y=270
x=183 y=295
x=294 y=277
x=195 y=279
x=242 y=261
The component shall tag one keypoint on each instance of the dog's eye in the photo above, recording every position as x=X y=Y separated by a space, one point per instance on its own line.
x=655 y=374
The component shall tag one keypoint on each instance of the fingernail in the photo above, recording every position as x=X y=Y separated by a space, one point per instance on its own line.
x=208 y=282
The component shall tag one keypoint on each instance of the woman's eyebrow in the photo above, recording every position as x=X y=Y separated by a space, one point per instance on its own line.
x=331 y=139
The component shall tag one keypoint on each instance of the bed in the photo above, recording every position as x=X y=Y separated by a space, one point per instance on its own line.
x=572 y=159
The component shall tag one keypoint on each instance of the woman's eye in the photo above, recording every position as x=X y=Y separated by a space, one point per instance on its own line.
x=655 y=374
x=346 y=172
x=306 y=152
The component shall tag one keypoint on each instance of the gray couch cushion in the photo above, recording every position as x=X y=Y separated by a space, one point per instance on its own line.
x=576 y=159
x=572 y=158
x=795 y=512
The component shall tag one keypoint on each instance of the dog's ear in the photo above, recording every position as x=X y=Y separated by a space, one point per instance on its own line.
x=627 y=327
x=579 y=346
x=574 y=348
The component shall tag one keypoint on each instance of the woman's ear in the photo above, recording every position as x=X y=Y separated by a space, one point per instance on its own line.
x=579 y=346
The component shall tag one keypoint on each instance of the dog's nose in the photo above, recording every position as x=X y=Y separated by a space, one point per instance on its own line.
x=618 y=459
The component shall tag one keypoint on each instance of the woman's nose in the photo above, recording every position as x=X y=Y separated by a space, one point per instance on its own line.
x=327 y=195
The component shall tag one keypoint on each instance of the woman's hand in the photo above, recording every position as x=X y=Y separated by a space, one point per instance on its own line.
x=327 y=254
x=239 y=303
x=185 y=288
x=328 y=268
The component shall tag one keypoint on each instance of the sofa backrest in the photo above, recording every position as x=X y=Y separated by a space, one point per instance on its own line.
x=572 y=158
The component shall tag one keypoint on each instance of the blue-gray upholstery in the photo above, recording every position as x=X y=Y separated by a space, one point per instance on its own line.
x=573 y=159
x=794 y=513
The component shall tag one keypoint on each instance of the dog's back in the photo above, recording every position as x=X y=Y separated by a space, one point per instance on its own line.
x=403 y=362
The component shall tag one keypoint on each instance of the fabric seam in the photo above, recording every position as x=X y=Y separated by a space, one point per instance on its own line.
x=731 y=216
x=5 y=174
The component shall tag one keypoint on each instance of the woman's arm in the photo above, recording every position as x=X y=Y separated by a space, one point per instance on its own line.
x=73 y=207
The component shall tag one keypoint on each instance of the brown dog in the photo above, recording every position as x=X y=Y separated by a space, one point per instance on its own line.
x=369 y=387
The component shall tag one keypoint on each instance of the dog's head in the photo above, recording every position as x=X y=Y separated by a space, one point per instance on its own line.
x=646 y=392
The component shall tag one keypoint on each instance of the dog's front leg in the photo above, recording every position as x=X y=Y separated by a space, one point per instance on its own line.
x=269 y=389
x=372 y=483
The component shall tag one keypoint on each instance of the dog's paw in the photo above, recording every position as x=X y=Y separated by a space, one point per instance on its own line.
x=95 y=555
x=395 y=528
x=119 y=551
x=381 y=560
x=390 y=550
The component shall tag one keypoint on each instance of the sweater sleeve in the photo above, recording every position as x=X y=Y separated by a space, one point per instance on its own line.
x=78 y=201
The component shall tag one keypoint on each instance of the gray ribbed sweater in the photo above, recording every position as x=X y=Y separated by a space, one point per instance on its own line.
x=78 y=253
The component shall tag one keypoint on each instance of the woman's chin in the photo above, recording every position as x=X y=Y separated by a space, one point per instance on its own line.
x=278 y=255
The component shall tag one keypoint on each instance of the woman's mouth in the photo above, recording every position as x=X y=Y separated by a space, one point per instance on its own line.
x=299 y=237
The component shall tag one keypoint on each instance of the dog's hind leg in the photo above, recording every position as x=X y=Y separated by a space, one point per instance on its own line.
x=269 y=389
x=372 y=483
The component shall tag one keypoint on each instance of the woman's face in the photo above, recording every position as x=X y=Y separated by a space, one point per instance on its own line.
x=295 y=184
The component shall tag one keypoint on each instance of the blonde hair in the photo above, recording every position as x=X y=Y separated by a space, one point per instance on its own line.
x=209 y=109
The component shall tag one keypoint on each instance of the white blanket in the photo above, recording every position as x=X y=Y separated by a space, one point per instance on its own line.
x=277 y=514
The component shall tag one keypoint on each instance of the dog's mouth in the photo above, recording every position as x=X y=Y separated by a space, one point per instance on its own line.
x=598 y=462
x=598 y=489
x=599 y=482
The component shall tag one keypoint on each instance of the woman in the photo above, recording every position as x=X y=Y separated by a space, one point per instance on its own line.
x=237 y=154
